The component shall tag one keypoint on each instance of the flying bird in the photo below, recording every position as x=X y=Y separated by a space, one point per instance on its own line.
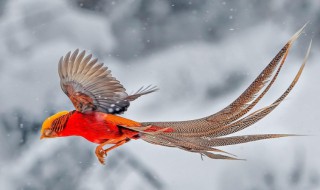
x=99 y=98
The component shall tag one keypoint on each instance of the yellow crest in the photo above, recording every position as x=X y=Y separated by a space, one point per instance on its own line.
x=48 y=122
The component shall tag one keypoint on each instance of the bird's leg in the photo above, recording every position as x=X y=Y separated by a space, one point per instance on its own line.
x=100 y=152
x=116 y=145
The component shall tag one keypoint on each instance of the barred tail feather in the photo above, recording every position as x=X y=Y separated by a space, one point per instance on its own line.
x=202 y=135
x=241 y=105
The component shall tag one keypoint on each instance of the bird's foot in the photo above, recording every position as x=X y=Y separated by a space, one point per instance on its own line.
x=101 y=154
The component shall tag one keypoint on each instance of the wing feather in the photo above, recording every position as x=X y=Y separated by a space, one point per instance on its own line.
x=90 y=85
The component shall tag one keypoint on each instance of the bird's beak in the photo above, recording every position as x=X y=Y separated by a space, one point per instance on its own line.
x=42 y=137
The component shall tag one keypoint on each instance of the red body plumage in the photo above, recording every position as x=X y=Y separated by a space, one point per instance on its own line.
x=99 y=127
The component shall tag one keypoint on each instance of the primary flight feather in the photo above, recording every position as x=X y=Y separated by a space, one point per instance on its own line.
x=97 y=97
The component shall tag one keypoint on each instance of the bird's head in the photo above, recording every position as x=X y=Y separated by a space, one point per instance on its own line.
x=46 y=130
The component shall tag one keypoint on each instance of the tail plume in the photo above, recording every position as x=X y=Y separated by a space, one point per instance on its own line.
x=201 y=135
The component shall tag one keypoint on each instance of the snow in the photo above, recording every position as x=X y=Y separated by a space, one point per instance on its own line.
x=200 y=66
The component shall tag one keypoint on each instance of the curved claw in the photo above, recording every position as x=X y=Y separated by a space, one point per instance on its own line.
x=101 y=153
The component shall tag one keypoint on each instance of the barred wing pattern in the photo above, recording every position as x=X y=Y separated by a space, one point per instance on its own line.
x=201 y=135
x=91 y=87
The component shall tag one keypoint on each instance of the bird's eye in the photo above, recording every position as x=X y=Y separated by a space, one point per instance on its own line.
x=47 y=133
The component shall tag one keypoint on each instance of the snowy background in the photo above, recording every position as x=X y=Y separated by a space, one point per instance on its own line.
x=201 y=53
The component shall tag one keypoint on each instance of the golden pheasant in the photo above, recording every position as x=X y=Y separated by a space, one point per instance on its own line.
x=98 y=98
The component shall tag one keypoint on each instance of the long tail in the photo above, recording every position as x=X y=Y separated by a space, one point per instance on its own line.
x=201 y=135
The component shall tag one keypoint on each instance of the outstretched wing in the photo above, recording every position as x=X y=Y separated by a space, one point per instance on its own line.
x=91 y=87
